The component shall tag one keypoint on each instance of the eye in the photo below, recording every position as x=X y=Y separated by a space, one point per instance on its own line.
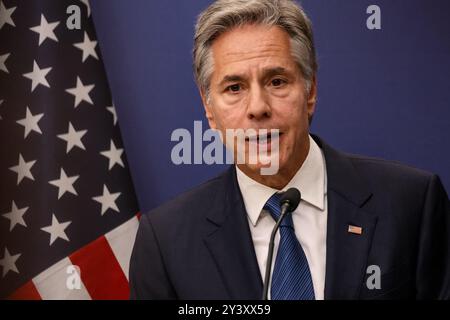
x=234 y=88
x=277 y=82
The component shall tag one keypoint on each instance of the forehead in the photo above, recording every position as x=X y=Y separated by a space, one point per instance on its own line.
x=252 y=45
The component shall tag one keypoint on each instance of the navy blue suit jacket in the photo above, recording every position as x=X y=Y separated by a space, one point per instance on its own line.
x=199 y=246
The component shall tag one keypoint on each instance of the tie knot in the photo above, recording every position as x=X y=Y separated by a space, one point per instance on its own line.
x=273 y=206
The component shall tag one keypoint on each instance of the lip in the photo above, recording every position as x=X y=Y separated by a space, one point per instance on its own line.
x=261 y=138
x=264 y=142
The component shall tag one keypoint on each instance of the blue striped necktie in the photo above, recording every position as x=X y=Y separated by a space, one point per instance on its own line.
x=291 y=277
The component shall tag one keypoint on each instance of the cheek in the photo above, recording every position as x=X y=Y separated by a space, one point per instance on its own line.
x=292 y=111
x=228 y=117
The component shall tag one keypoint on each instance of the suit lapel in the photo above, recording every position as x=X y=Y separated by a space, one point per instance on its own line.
x=346 y=260
x=230 y=244
x=347 y=253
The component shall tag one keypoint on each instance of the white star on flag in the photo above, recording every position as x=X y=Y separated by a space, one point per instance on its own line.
x=88 y=7
x=5 y=15
x=30 y=122
x=45 y=30
x=112 y=109
x=23 y=169
x=37 y=76
x=73 y=138
x=64 y=184
x=2 y=62
x=114 y=155
x=81 y=92
x=15 y=216
x=8 y=262
x=56 y=230
x=88 y=47
x=108 y=200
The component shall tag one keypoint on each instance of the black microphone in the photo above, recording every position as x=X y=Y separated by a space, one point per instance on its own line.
x=289 y=202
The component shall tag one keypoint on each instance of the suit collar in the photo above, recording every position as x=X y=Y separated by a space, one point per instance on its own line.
x=343 y=176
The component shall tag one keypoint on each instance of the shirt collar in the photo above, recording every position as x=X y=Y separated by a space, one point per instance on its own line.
x=310 y=179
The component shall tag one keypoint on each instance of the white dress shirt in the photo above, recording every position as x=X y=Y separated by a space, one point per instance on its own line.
x=310 y=217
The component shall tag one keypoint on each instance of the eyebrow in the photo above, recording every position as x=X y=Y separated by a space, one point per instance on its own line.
x=267 y=73
x=231 y=78
x=270 y=72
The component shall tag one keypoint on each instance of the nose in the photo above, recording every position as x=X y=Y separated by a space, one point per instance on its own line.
x=258 y=106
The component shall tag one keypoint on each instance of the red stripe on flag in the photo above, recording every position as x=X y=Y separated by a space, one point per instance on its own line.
x=27 y=292
x=100 y=271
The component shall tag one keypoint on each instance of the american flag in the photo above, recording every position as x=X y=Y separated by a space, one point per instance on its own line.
x=68 y=212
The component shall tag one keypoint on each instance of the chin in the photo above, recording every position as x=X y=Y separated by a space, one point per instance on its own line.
x=264 y=168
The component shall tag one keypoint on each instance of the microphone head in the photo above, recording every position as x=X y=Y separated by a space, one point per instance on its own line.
x=292 y=198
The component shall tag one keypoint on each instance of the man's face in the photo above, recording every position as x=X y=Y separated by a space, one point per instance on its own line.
x=256 y=84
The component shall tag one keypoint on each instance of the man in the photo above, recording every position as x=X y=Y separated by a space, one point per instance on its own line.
x=364 y=229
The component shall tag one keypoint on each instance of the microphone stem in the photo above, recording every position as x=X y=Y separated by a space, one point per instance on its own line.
x=284 y=212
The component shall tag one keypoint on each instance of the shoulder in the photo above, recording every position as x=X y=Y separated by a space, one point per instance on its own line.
x=190 y=206
x=393 y=182
x=379 y=174
x=394 y=171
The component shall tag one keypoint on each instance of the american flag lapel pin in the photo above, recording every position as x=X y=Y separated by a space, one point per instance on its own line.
x=354 y=229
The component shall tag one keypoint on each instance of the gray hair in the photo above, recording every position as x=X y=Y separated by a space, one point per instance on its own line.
x=223 y=15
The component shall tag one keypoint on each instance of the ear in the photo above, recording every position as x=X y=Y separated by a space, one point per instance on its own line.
x=312 y=97
x=208 y=110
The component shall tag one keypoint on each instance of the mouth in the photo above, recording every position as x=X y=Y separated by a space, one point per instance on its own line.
x=262 y=139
